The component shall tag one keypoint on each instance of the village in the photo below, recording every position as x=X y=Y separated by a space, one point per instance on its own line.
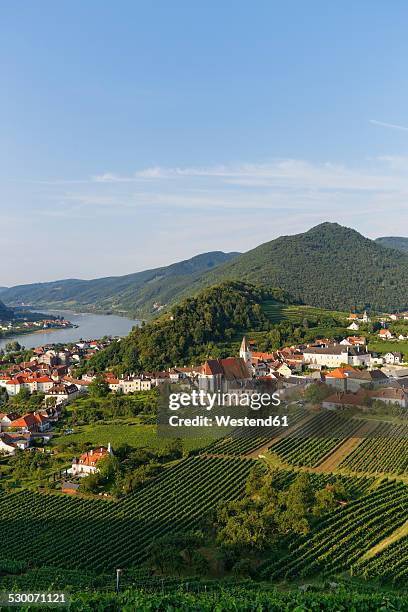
x=19 y=326
x=346 y=367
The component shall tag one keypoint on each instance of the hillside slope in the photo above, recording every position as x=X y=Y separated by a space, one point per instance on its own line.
x=329 y=266
x=5 y=313
x=134 y=294
x=197 y=328
x=393 y=242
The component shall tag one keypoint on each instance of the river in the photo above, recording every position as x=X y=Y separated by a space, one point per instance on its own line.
x=90 y=326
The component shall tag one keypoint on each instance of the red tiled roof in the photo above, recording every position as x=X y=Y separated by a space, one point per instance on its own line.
x=92 y=457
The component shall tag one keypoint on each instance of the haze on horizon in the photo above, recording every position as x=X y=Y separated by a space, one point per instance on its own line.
x=141 y=135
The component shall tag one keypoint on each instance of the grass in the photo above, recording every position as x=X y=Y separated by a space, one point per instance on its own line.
x=388 y=346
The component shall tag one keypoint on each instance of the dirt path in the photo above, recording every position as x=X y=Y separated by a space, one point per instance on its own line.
x=336 y=457
x=396 y=535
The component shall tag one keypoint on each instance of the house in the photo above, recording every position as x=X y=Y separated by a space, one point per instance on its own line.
x=353 y=326
x=365 y=378
x=284 y=370
x=396 y=372
x=350 y=379
x=354 y=341
x=393 y=358
x=87 y=462
x=112 y=382
x=132 y=384
x=81 y=384
x=344 y=400
x=13 y=387
x=63 y=393
x=352 y=317
x=335 y=356
x=6 y=418
x=10 y=442
x=30 y=422
x=391 y=395
x=385 y=334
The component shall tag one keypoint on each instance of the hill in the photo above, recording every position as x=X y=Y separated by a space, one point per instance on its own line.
x=6 y=314
x=211 y=325
x=140 y=294
x=393 y=242
x=329 y=266
x=192 y=331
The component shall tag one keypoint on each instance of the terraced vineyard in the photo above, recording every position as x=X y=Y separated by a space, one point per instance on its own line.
x=385 y=451
x=277 y=312
x=340 y=540
x=245 y=440
x=101 y=535
x=390 y=565
x=313 y=442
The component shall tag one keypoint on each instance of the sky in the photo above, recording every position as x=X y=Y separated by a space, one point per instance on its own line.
x=134 y=134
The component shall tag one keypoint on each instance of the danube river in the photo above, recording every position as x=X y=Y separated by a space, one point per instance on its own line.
x=90 y=326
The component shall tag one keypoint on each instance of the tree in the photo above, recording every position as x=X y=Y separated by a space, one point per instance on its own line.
x=99 y=387
x=90 y=484
x=164 y=555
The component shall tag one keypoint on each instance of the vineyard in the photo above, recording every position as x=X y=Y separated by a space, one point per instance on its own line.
x=390 y=565
x=385 y=452
x=241 y=599
x=341 y=539
x=245 y=440
x=100 y=535
x=277 y=312
x=315 y=440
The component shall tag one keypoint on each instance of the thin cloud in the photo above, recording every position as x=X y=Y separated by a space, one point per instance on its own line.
x=393 y=126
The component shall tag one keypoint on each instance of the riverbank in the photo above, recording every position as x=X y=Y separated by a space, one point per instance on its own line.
x=85 y=326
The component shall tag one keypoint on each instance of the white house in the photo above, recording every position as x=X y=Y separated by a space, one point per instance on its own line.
x=9 y=443
x=393 y=358
x=354 y=326
x=87 y=462
x=385 y=334
x=335 y=356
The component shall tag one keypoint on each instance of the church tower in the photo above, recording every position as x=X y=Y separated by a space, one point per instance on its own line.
x=246 y=354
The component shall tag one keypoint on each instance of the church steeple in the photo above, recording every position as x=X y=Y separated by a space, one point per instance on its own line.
x=246 y=354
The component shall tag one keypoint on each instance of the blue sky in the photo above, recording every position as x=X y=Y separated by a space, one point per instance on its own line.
x=135 y=134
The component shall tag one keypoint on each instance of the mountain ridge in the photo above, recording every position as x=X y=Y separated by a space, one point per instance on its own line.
x=134 y=293
x=329 y=266
x=400 y=243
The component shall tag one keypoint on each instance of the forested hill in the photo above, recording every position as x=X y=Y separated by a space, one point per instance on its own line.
x=329 y=266
x=193 y=331
x=393 y=242
x=5 y=313
x=140 y=294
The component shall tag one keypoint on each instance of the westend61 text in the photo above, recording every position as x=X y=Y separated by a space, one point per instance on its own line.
x=228 y=421
x=207 y=401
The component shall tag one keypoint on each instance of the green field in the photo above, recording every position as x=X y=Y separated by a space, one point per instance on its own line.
x=388 y=346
